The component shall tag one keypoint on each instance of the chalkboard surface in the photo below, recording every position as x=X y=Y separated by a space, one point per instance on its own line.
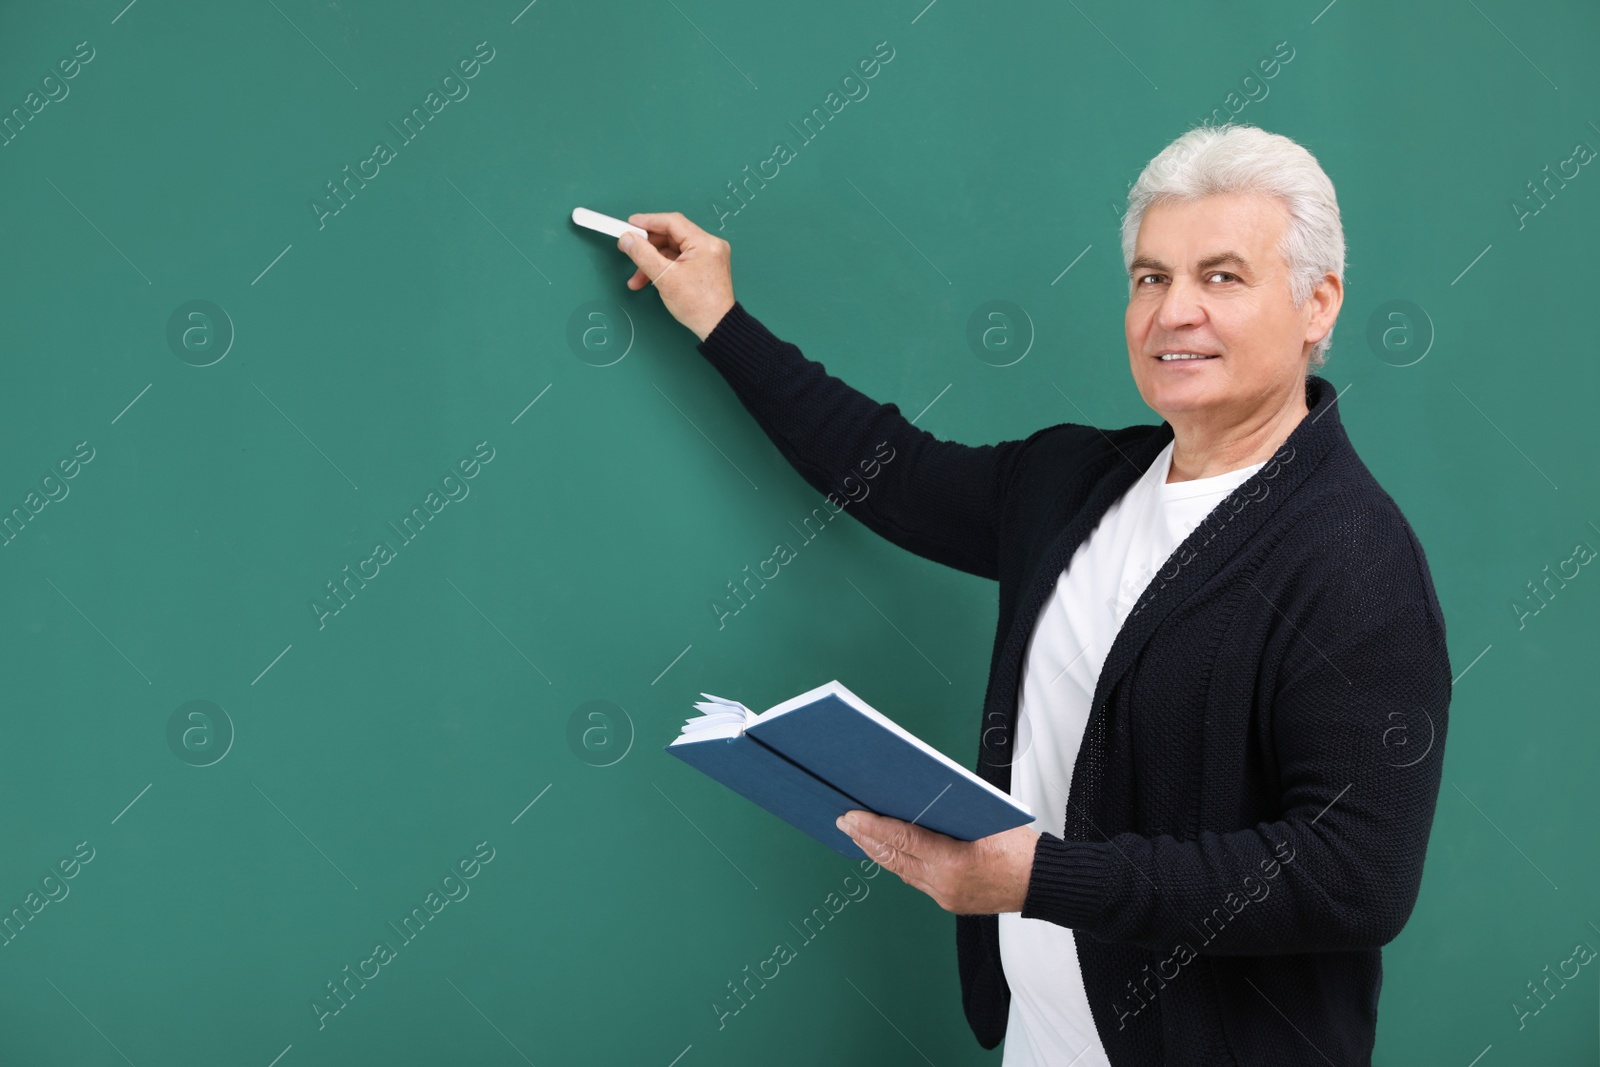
x=368 y=538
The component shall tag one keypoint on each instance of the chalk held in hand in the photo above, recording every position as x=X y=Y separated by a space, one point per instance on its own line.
x=604 y=223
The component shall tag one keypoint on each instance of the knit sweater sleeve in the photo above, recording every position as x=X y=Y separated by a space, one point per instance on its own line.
x=939 y=499
x=1340 y=870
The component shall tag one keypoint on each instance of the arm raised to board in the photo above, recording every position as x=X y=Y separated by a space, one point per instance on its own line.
x=939 y=499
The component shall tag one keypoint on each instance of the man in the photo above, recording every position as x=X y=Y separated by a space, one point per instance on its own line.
x=1218 y=640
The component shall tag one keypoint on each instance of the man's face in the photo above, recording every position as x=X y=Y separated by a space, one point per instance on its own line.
x=1207 y=278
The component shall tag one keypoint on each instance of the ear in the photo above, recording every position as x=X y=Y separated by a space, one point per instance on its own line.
x=1325 y=301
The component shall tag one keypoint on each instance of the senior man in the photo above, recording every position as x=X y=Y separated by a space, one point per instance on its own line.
x=1220 y=674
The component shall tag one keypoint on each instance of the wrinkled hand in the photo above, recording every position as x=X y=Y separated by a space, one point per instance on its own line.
x=982 y=877
x=688 y=266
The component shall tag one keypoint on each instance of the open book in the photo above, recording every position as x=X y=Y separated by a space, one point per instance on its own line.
x=816 y=756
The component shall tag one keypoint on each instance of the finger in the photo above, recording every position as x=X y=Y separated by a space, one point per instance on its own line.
x=877 y=850
x=663 y=243
x=857 y=831
x=909 y=850
x=910 y=869
x=882 y=827
x=672 y=223
x=645 y=255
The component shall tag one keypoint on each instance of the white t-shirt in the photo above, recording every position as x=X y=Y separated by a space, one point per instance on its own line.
x=1049 y=1024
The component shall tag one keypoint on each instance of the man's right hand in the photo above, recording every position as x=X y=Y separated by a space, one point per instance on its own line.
x=688 y=266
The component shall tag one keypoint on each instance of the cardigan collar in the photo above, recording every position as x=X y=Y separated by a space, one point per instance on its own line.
x=1204 y=552
x=1227 y=528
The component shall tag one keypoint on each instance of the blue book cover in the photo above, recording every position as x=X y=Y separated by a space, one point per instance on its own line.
x=827 y=751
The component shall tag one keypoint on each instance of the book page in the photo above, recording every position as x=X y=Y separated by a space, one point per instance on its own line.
x=718 y=718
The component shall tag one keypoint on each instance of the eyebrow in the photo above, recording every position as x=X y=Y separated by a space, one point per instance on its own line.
x=1215 y=260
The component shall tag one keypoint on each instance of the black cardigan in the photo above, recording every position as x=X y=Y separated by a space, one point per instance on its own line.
x=1251 y=802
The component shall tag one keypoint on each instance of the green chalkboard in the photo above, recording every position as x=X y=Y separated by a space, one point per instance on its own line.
x=366 y=532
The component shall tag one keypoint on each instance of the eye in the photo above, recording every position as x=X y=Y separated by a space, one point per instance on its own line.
x=1212 y=274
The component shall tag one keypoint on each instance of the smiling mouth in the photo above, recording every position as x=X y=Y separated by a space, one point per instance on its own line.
x=1185 y=358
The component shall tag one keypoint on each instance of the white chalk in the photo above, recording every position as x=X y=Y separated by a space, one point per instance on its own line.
x=604 y=223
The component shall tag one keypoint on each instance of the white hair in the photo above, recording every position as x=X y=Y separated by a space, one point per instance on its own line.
x=1246 y=159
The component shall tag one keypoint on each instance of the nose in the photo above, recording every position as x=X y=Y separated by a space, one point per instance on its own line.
x=1180 y=306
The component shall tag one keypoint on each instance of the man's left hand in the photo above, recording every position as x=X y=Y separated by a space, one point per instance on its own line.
x=982 y=877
